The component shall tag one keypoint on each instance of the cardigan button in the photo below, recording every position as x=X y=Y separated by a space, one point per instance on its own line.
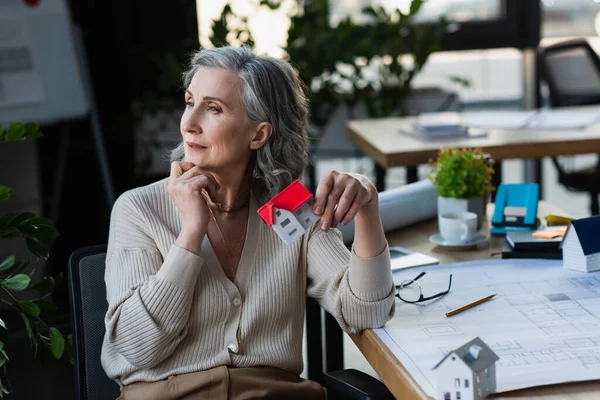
x=233 y=348
x=237 y=302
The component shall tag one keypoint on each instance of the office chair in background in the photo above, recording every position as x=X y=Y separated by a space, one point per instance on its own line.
x=87 y=293
x=571 y=70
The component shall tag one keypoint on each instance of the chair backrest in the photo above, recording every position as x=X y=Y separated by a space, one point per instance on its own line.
x=571 y=70
x=88 y=307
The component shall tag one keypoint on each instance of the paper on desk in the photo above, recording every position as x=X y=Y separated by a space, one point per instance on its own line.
x=544 y=323
x=564 y=118
x=498 y=119
x=533 y=119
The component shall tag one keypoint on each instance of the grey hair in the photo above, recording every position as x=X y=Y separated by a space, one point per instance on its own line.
x=272 y=92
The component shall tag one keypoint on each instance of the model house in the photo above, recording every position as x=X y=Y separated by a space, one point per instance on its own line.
x=581 y=246
x=467 y=373
x=289 y=213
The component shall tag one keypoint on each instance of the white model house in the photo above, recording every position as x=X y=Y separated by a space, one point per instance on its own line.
x=467 y=373
x=290 y=212
x=581 y=245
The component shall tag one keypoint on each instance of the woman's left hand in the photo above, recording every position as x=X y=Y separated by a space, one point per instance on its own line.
x=340 y=196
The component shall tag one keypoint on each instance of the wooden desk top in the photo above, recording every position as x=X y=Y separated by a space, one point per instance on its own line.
x=381 y=139
x=387 y=366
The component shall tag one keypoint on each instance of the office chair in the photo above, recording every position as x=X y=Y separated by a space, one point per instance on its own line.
x=87 y=293
x=571 y=71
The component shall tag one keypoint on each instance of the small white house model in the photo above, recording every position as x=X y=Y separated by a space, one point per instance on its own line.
x=290 y=212
x=467 y=373
x=581 y=245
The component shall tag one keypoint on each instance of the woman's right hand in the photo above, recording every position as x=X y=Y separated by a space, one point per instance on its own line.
x=186 y=184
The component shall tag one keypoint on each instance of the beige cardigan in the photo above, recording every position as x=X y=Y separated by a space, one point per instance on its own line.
x=173 y=312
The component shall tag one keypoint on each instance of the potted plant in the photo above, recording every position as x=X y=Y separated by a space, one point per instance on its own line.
x=463 y=180
x=23 y=296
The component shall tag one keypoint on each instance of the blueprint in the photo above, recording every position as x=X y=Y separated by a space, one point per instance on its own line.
x=544 y=322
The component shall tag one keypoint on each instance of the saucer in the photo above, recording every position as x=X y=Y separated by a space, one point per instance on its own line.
x=437 y=239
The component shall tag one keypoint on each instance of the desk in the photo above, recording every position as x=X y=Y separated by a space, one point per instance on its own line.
x=381 y=139
x=387 y=366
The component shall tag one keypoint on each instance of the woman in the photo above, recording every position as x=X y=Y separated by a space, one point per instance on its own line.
x=205 y=300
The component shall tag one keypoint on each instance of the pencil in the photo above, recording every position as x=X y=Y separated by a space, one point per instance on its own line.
x=467 y=306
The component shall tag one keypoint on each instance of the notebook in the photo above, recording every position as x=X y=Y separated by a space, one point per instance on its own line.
x=403 y=258
x=525 y=241
x=509 y=252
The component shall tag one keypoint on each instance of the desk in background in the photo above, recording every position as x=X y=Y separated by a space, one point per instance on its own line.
x=391 y=371
x=382 y=140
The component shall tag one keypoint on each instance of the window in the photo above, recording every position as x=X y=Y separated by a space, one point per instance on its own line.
x=466 y=383
x=294 y=232
x=285 y=222
x=447 y=396
x=457 y=382
x=457 y=395
x=278 y=213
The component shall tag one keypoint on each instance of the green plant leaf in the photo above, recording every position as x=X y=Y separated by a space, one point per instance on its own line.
x=17 y=282
x=45 y=286
x=46 y=306
x=31 y=128
x=70 y=349
x=2 y=360
x=57 y=343
x=5 y=192
x=3 y=324
x=15 y=132
x=8 y=263
x=30 y=332
x=17 y=268
x=29 y=308
x=38 y=248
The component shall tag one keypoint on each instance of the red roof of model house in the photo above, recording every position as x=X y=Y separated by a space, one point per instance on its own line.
x=289 y=199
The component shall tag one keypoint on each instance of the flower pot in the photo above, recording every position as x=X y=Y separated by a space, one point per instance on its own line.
x=474 y=205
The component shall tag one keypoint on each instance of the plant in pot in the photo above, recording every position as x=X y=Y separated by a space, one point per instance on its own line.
x=25 y=296
x=463 y=180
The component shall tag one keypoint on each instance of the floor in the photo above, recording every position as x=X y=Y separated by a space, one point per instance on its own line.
x=574 y=204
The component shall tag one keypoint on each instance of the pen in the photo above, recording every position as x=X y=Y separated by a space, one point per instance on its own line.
x=467 y=306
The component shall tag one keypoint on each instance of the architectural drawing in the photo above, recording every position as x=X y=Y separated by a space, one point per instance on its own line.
x=544 y=323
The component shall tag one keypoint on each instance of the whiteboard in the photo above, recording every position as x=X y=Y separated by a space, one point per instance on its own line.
x=40 y=73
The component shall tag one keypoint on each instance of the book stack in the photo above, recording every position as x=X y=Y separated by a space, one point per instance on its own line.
x=440 y=126
x=525 y=245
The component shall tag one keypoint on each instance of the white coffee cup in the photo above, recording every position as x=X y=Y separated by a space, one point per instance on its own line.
x=458 y=228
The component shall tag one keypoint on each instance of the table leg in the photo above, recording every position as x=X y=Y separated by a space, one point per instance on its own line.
x=412 y=174
x=380 y=174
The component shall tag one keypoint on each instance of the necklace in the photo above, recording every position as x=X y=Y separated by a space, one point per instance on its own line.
x=227 y=251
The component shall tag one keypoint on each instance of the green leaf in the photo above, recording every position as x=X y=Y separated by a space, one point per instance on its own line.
x=1 y=345
x=46 y=306
x=2 y=360
x=31 y=128
x=17 y=268
x=70 y=349
x=17 y=282
x=45 y=286
x=3 y=324
x=5 y=192
x=8 y=263
x=30 y=332
x=38 y=248
x=15 y=132
x=57 y=343
x=29 y=308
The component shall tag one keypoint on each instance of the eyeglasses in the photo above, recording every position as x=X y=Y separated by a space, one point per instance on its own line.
x=414 y=294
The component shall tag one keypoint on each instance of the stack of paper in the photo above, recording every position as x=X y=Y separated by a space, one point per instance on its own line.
x=440 y=126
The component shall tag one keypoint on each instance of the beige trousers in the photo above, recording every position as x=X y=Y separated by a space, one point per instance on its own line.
x=225 y=383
